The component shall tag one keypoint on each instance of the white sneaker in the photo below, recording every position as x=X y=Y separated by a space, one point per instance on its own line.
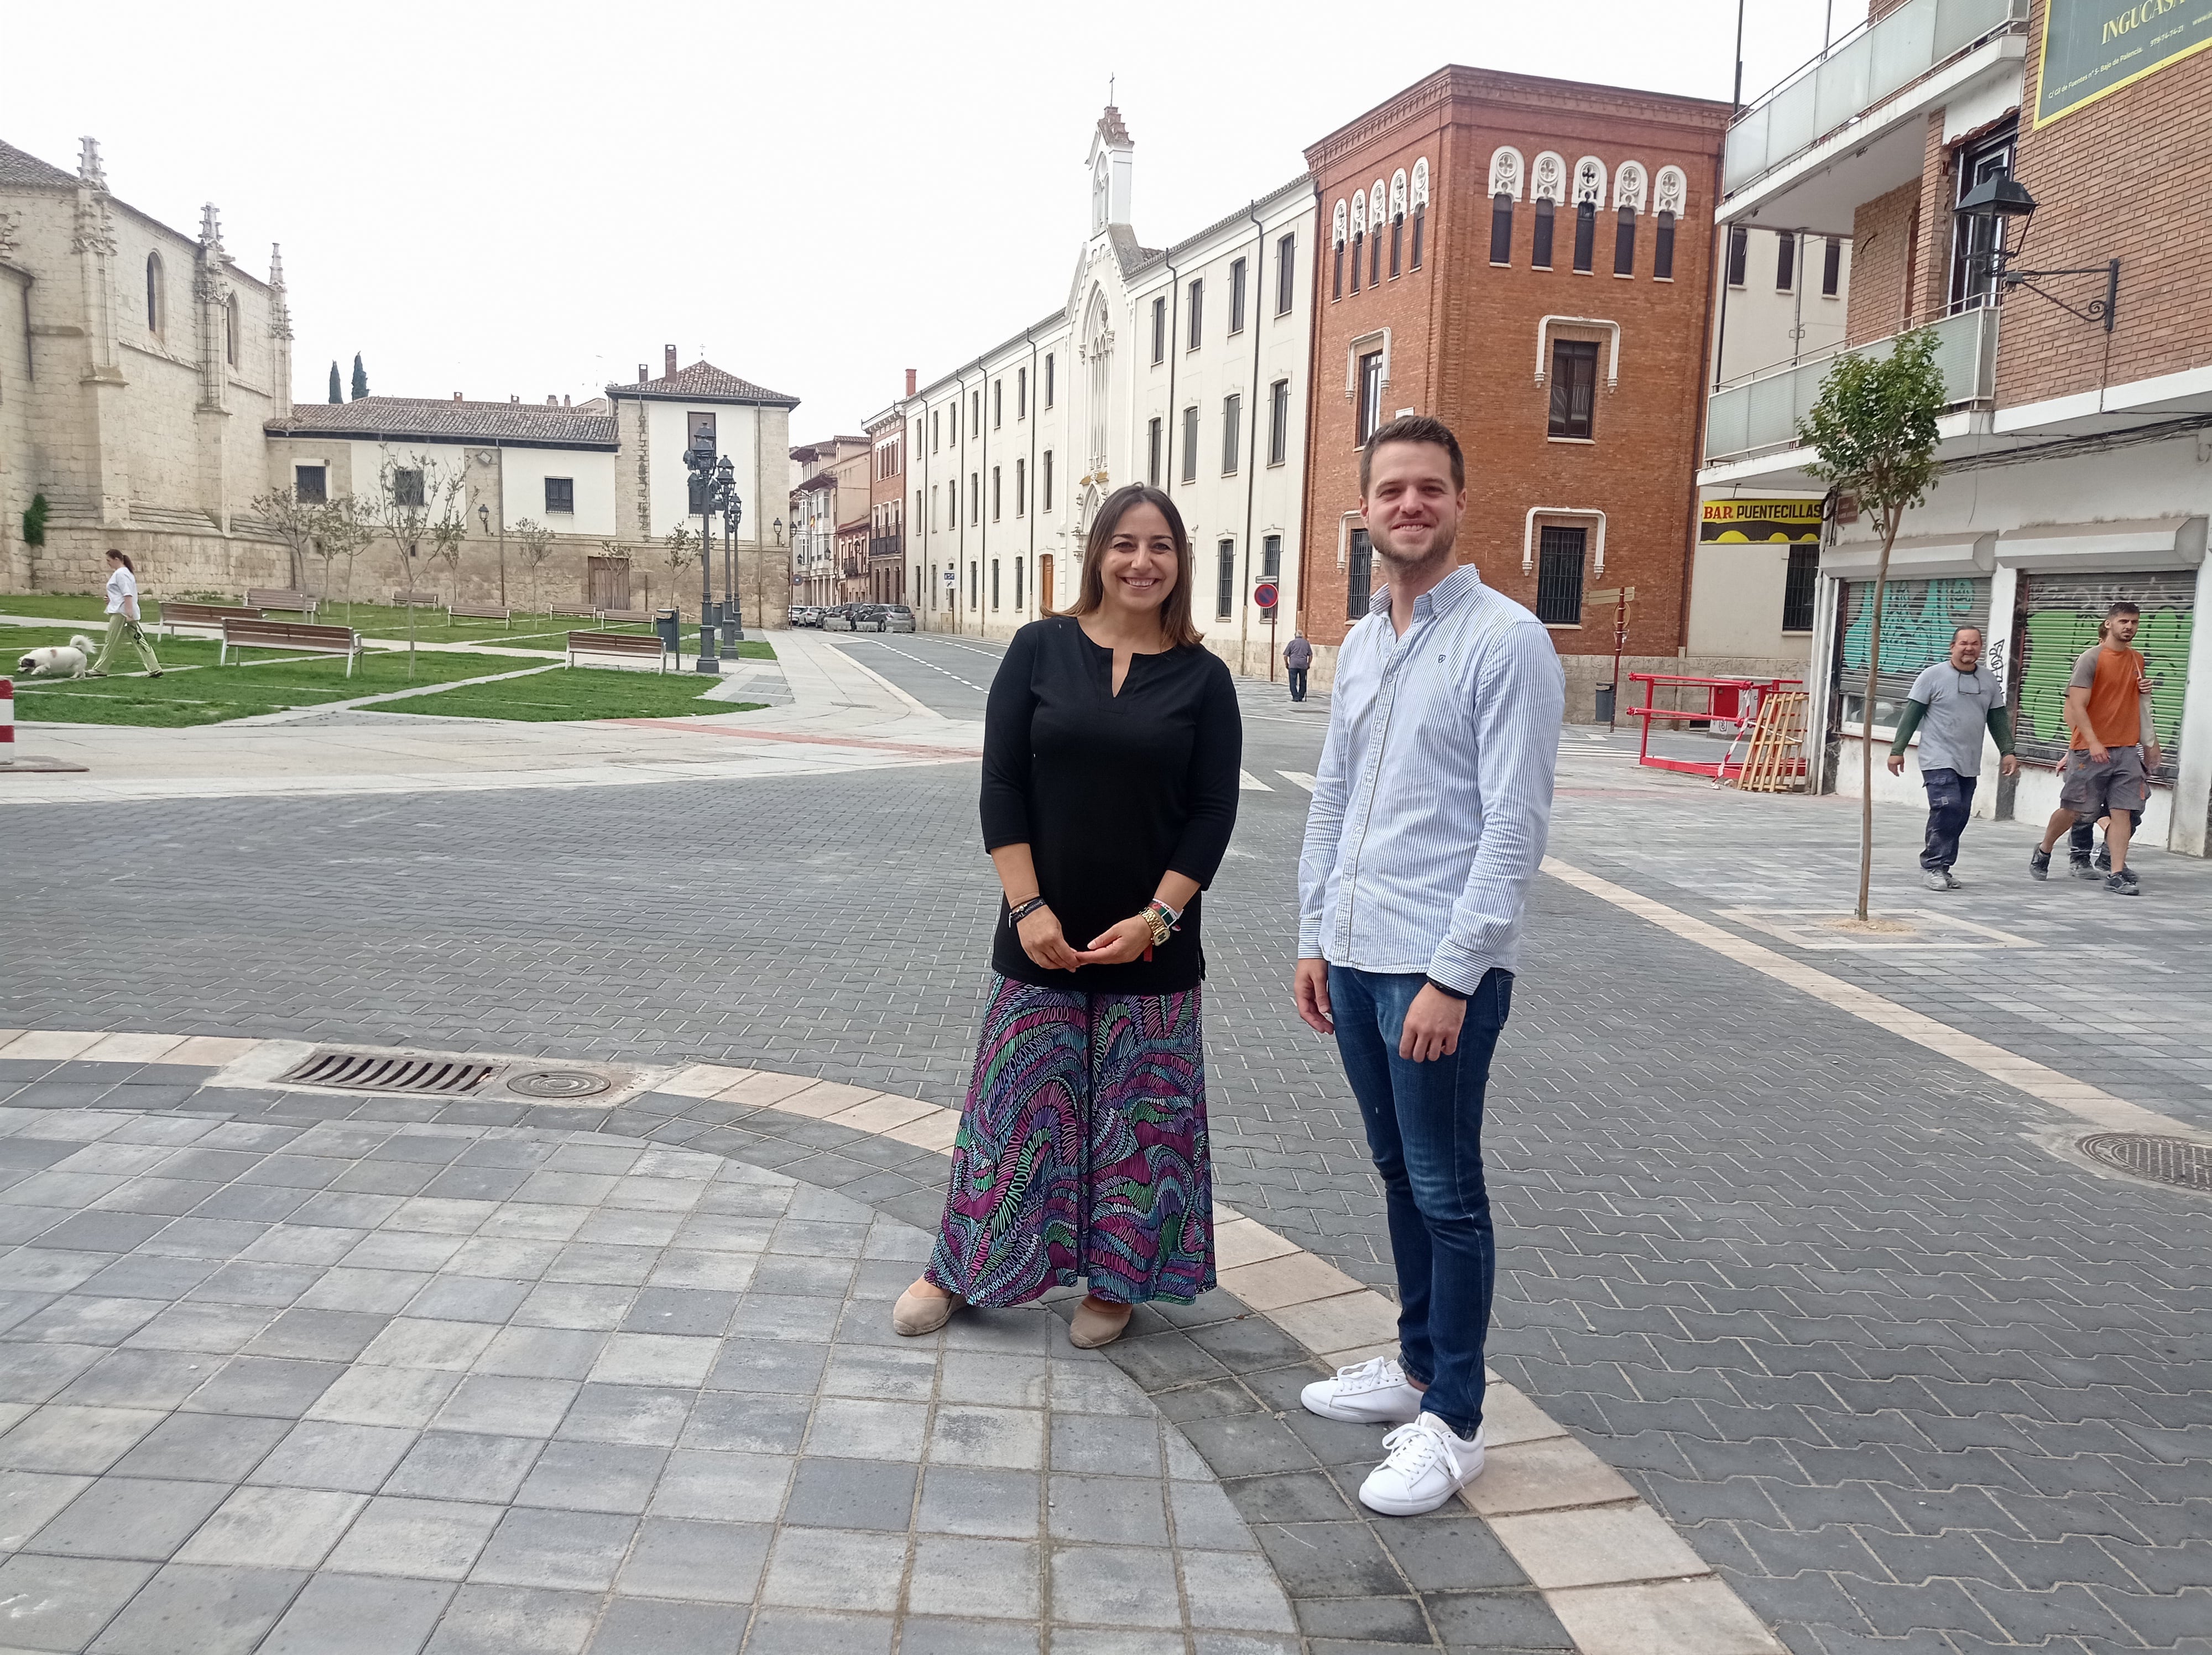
x=1426 y=1467
x=1372 y=1393
x=1936 y=880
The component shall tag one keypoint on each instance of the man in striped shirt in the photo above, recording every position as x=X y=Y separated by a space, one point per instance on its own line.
x=1428 y=821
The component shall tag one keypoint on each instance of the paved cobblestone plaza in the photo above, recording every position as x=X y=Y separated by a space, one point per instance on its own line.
x=1831 y=1289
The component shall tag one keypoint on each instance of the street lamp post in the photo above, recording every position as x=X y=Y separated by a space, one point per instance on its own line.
x=714 y=482
x=733 y=612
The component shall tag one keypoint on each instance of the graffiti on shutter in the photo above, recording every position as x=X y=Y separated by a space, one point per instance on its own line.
x=1918 y=618
x=2062 y=613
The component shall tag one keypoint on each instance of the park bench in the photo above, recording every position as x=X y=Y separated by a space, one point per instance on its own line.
x=419 y=600
x=299 y=636
x=574 y=612
x=279 y=598
x=175 y=613
x=638 y=617
x=479 y=613
x=616 y=644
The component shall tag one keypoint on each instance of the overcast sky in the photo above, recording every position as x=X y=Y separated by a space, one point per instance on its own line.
x=504 y=199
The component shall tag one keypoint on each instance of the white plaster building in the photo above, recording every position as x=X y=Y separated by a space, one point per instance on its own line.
x=608 y=477
x=1186 y=366
x=1781 y=298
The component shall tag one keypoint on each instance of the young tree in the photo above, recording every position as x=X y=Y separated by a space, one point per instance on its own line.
x=336 y=394
x=417 y=502
x=535 y=542
x=349 y=525
x=1874 y=431
x=677 y=551
x=360 y=378
x=295 y=522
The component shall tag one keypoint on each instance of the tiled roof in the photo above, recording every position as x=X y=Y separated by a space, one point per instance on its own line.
x=703 y=382
x=375 y=417
x=19 y=167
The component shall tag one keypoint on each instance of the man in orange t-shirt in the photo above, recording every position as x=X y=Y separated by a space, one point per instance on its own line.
x=2113 y=751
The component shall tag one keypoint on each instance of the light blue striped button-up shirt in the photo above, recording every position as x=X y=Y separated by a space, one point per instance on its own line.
x=1434 y=796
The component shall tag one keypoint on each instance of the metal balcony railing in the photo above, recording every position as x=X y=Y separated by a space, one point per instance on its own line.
x=1760 y=414
x=1852 y=76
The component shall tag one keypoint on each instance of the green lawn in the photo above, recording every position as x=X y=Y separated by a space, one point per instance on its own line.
x=576 y=692
x=193 y=690
x=379 y=621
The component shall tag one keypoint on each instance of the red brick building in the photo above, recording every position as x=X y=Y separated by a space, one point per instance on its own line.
x=1528 y=260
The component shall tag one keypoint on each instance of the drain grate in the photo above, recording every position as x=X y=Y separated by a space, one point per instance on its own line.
x=558 y=1083
x=442 y=1077
x=2166 y=1160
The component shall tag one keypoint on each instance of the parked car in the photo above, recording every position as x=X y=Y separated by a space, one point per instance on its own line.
x=897 y=617
x=838 y=618
x=806 y=615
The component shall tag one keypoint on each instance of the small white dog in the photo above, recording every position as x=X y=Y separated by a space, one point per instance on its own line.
x=59 y=660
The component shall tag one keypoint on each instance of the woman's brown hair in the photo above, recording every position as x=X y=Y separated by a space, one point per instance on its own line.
x=124 y=558
x=1176 y=625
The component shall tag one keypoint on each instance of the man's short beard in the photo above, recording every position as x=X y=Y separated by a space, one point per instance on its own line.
x=1439 y=553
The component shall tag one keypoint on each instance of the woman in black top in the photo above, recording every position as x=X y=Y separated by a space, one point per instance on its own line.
x=1110 y=763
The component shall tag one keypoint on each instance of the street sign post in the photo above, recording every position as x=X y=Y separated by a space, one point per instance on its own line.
x=1266 y=595
x=1620 y=596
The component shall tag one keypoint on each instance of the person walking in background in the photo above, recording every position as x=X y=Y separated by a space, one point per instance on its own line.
x=1298 y=660
x=2114 y=749
x=1428 y=821
x=1111 y=751
x=1950 y=703
x=123 y=618
x=2081 y=837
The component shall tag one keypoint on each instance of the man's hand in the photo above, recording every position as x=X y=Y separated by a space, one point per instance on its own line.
x=1432 y=1024
x=2151 y=756
x=2009 y=764
x=1897 y=764
x=1311 y=987
x=2100 y=752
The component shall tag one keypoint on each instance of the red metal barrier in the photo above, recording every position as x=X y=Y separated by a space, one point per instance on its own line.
x=1727 y=700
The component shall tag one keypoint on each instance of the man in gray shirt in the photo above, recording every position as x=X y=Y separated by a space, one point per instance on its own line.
x=1950 y=704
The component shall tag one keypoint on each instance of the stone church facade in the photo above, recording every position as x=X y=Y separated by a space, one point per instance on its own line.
x=145 y=394
x=138 y=366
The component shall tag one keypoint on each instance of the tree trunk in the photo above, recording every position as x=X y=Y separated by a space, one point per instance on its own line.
x=1891 y=521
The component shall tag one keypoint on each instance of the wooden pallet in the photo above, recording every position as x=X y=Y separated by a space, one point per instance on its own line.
x=1776 y=757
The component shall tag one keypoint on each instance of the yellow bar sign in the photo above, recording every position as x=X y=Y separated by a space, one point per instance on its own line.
x=1739 y=522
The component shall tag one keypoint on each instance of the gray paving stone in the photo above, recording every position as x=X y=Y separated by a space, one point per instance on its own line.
x=210 y=1611
x=485 y=1620
x=636 y=1627
x=342 y=1615
x=568 y=1551
x=60 y=1603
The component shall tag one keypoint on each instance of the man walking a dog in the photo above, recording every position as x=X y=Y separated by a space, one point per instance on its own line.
x=1429 y=812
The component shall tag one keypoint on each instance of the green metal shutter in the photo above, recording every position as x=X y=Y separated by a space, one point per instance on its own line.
x=2062 y=613
x=1918 y=618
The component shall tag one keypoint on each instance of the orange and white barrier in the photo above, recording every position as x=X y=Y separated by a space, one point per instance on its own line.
x=7 y=719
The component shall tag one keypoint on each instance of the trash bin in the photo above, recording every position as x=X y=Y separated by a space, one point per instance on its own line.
x=669 y=623
x=1605 y=704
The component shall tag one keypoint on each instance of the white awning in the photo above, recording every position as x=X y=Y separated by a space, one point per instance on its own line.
x=1914 y=557
x=2084 y=548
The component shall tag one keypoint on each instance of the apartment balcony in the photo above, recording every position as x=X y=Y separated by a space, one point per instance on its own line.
x=1851 y=125
x=1751 y=426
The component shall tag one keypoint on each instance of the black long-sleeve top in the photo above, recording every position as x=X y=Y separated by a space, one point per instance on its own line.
x=1110 y=793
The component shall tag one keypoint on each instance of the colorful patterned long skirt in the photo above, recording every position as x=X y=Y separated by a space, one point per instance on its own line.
x=1081 y=1153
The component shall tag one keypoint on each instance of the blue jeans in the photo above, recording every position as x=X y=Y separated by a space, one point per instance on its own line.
x=1425 y=1129
x=1950 y=802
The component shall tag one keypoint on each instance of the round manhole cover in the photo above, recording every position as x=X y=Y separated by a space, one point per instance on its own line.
x=558 y=1083
x=2166 y=1160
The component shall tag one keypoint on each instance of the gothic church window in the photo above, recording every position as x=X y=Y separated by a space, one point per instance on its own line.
x=156 y=295
x=230 y=330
